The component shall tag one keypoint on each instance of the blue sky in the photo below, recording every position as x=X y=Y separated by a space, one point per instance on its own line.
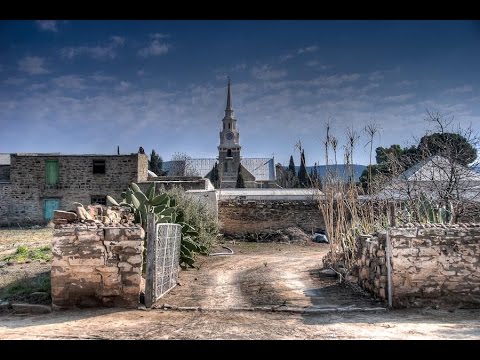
x=88 y=86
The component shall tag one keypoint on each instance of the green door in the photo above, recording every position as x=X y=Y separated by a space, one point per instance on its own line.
x=49 y=206
x=51 y=172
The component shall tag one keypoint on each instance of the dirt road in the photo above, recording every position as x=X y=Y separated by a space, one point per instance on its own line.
x=264 y=275
x=259 y=275
x=158 y=324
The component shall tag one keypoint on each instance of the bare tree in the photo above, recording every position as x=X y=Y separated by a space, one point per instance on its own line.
x=182 y=165
x=442 y=185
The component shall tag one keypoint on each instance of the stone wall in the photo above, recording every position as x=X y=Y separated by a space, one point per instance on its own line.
x=208 y=197
x=96 y=266
x=431 y=265
x=267 y=215
x=372 y=268
x=22 y=201
x=184 y=182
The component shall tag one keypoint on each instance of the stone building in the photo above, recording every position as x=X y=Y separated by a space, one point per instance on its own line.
x=32 y=186
x=256 y=172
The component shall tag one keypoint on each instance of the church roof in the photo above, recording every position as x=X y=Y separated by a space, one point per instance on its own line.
x=262 y=168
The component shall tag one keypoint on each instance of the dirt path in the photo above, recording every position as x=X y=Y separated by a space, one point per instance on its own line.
x=264 y=275
x=158 y=324
x=258 y=275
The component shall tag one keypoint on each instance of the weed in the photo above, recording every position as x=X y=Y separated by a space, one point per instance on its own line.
x=24 y=253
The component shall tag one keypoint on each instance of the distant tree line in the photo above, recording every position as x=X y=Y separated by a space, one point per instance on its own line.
x=289 y=178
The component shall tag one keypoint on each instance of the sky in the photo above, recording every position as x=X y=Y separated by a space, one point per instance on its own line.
x=87 y=86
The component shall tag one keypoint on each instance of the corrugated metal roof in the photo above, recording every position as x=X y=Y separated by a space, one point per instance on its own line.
x=194 y=167
x=262 y=168
x=4 y=159
x=437 y=168
x=269 y=194
x=431 y=176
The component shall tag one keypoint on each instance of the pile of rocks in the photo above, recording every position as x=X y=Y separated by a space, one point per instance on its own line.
x=94 y=214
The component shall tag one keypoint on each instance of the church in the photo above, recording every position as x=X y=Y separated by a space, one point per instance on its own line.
x=256 y=172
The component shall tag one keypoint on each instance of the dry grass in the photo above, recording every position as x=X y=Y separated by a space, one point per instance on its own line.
x=11 y=238
x=25 y=264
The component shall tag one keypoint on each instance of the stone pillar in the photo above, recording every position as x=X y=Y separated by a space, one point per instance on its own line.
x=95 y=265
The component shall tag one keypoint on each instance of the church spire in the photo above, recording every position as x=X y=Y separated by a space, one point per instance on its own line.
x=229 y=109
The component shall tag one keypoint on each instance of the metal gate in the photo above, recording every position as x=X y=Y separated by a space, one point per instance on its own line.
x=163 y=255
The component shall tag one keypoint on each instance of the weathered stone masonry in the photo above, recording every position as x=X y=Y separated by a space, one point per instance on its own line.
x=21 y=199
x=96 y=266
x=267 y=215
x=430 y=265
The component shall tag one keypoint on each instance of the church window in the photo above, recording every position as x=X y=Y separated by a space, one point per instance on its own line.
x=229 y=125
x=229 y=153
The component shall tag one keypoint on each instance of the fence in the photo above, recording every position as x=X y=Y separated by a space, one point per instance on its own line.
x=163 y=253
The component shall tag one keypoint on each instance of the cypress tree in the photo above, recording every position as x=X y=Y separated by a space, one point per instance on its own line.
x=302 y=173
x=240 y=181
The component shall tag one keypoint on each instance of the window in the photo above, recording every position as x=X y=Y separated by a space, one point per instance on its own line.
x=99 y=199
x=229 y=153
x=51 y=172
x=229 y=125
x=99 y=166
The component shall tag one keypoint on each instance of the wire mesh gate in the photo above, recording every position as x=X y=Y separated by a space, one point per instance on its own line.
x=163 y=253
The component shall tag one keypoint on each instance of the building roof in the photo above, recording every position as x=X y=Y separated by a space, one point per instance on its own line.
x=4 y=159
x=262 y=168
x=437 y=168
x=269 y=194
x=433 y=176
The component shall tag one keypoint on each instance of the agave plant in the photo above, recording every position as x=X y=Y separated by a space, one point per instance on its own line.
x=165 y=210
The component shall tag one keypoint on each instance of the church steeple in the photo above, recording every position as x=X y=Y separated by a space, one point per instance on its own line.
x=229 y=159
x=228 y=108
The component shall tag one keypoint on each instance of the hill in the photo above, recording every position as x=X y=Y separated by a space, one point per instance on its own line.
x=322 y=170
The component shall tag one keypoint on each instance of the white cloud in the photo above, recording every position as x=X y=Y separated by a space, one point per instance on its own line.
x=265 y=72
x=286 y=57
x=155 y=48
x=406 y=83
x=35 y=87
x=102 y=78
x=159 y=36
x=459 y=90
x=118 y=40
x=398 y=98
x=239 y=67
x=108 y=51
x=307 y=49
x=141 y=72
x=47 y=25
x=336 y=80
x=123 y=86
x=14 y=81
x=33 y=65
x=72 y=82
x=376 y=76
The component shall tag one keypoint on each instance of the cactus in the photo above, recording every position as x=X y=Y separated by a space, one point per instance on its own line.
x=165 y=210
